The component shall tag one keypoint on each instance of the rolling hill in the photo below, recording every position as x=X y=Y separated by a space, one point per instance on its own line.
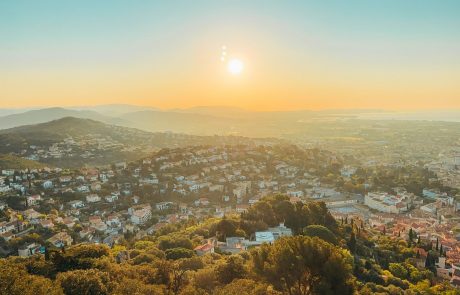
x=73 y=142
x=47 y=114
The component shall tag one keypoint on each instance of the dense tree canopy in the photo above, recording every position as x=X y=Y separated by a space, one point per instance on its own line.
x=323 y=257
x=304 y=265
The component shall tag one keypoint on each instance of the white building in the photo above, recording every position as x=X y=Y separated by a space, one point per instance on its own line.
x=92 y=198
x=33 y=200
x=76 y=204
x=385 y=202
x=141 y=216
x=29 y=250
x=163 y=205
x=48 y=184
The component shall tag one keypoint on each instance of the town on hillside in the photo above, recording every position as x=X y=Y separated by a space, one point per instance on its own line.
x=48 y=208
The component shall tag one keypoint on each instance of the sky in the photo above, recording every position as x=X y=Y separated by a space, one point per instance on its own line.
x=296 y=54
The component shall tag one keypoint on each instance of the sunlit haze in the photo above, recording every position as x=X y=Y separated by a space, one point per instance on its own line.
x=287 y=54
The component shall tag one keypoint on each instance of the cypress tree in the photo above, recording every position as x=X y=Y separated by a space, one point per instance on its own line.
x=352 y=242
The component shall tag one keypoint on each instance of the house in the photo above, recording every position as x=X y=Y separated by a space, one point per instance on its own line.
x=163 y=205
x=385 y=202
x=96 y=186
x=27 y=250
x=47 y=184
x=242 y=208
x=100 y=226
x=120 y=165
x=76 y=204
x=8 y=172
x=83 y=189
x=97 y=223
x=140 y=214
x=264 y=237
x=32 y=215
x=33 y=200
x=61 y=239
x=87 y=233
x=202 y=202
x=69 y=222
x=92 y=198
x=441 y=270
x=113 y=221
x=204 y=249
x=234 y=245
x=280 y=231
x=3 y=205
x=111 y=198
x=65 y=179
x=46 y=223
x=94 y=219
x=111 y=240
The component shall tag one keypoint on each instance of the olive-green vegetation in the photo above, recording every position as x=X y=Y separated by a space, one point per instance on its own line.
x=8 y=161
x=322 y=257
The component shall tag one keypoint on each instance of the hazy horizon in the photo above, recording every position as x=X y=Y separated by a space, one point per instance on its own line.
x=257 y=55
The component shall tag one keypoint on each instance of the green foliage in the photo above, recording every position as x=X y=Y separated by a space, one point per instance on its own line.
x=247 y=287
x=8 y=161
x=271 y=211
x=315 y=262
x=15 y=280
x=178 y=253
x=91 y=281
x=81 y=256
x=226 y=228
x=174 y=241
x=231 y=268
x=321 y=232
x=301 y=265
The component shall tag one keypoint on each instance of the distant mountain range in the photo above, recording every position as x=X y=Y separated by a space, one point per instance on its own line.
x=205 y=120
x=44 y=115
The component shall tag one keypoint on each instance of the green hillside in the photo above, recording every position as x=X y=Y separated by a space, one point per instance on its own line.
x=13 y=162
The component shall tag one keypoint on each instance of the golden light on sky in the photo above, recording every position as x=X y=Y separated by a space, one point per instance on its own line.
x=279 y=55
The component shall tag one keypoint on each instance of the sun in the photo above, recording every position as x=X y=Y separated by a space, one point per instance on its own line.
x=235 y=66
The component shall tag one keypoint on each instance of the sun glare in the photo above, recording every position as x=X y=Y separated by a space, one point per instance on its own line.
x=235 y=66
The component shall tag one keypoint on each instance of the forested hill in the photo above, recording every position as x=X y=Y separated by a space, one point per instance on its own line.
x=322 y=257
x=75 y=142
